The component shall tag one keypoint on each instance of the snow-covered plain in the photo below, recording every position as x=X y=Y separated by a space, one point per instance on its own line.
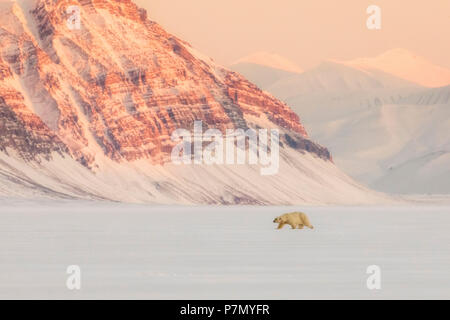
x=131 y=251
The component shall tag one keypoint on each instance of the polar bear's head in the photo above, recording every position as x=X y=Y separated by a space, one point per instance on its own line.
x=278 y=220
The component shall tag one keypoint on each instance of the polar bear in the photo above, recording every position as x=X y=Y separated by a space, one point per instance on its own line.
x=294 y=219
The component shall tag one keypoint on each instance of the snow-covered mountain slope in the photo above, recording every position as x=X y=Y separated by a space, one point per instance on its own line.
x=89 y=112
x=427 y=174
x=302 y=179
x=395 y=141
x=405 y=65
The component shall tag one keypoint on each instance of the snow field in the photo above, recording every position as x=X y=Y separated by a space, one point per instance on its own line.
x=130 y=251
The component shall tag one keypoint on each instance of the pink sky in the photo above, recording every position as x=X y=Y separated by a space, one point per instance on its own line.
x=305 y=31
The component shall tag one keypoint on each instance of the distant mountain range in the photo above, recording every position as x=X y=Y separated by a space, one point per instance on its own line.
x=380 y=118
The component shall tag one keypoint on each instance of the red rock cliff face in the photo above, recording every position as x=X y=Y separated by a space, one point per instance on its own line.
x=120 y=84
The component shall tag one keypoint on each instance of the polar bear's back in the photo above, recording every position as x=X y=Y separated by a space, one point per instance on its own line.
x=297 y=218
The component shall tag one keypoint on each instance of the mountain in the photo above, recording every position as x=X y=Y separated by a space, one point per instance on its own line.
x=331 y=77
x=270 y=60
x=264 y=68
x=406 y=65
x=383 y=130
x=89 y=113
x=399 y=144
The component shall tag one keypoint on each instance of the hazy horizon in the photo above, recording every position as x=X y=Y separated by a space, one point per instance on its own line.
x=306 y=32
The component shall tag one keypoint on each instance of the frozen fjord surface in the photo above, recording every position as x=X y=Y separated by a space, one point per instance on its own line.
x=130 y=251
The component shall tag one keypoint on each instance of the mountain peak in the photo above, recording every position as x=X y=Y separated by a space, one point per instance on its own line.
x=406 y=65
x=271 y=60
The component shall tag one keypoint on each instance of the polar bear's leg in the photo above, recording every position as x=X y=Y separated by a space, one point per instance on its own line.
x=293 y=226
x=281 y=225
x=306 y=221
